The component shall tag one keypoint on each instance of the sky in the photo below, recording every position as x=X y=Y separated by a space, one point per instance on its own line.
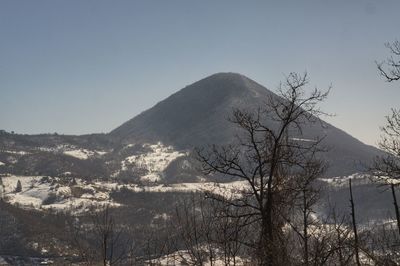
x=87 y=66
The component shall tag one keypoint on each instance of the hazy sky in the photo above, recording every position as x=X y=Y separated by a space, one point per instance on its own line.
x=83 y=66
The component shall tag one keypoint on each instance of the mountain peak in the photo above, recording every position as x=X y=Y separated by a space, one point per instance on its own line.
x=227 y=75
x=179 y=119
x=223 y=85
x=230 y=78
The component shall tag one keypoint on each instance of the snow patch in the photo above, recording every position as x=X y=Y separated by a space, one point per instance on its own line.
x=185 y=257
x=228 y=190
x=82 y=154
x=155 y=161
x=340 y=181
x=16 y=152
x=73 y=151
x=304 y=140
x=343 y=181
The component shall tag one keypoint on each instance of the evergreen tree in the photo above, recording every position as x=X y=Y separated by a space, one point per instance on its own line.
x=18 y=188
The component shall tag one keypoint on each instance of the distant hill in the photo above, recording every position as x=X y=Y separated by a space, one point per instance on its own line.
x=197 y=116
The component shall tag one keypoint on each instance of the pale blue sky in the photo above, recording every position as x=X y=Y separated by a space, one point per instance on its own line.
x=83 y=66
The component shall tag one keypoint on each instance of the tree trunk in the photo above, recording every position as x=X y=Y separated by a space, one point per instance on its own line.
x=265 y=248
x=353 y=218
x=105 y=251
x=396 y=206
x=305 y=227
x=268 y=236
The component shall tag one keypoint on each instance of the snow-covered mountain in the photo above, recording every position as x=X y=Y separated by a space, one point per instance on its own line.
x=197 y=115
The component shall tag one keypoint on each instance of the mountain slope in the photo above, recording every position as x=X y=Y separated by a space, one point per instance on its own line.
x=197 y=116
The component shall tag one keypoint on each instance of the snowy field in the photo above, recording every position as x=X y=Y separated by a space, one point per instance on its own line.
x=78 y=195
x=45 y=193
x=48 y=193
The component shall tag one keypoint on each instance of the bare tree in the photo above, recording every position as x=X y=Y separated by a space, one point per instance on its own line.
x=76 y=232
x=109 y=236
x=387 y=168
x=157 y=249
x=269 y=155
x=384 y=250
x=390 y=68
x=230 y=234
x=100 y=238
x=342 y=241
x=208 y=232
x=194 y=226
x=307 y=198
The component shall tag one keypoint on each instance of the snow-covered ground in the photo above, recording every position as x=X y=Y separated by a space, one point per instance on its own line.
x=43 y=193
x=359 y=179
x=184 y=257
x=231 y=189
x=73 y=151
x=77 y=195
x=82 y=154
x=48 y=193
x=53 y=193
x=155 y=161
x=69 y=150
x=15 y=152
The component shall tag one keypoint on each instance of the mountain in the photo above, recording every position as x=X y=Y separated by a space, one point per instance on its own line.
x=143 y=168
x=154 y=145
x=197 y=115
